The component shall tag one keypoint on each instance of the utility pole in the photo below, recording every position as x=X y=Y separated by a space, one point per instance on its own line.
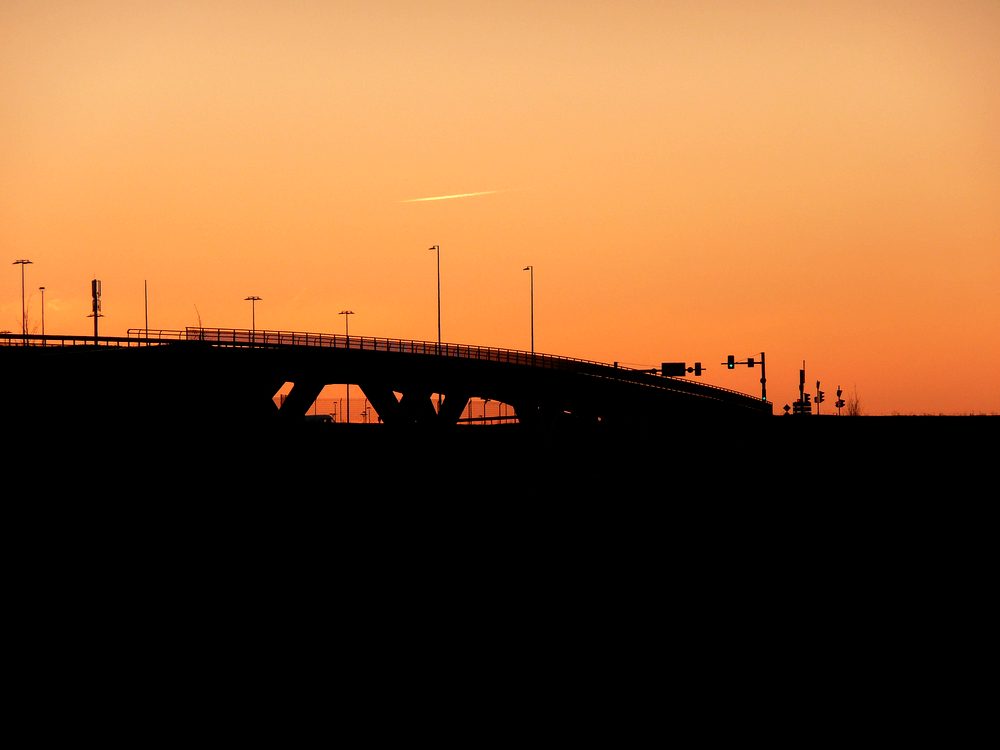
x=24 y=311
x=95 y=293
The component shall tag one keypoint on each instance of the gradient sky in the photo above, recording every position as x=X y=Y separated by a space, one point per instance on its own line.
x=819 y=181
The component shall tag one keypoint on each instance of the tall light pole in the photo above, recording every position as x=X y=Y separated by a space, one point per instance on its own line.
x=24 y=313
x=253 y=299
x=95 y=306
x=437 y=248
x=347 y=333
x=42 y=290
x=532 y=274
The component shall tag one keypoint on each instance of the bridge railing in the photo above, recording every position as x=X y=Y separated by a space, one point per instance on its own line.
x=62 y=340
x=251 y=337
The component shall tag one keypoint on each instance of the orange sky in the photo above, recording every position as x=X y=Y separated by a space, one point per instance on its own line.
x=819 y=181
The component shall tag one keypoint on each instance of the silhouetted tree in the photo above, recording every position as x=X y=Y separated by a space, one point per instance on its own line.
x=854 y=404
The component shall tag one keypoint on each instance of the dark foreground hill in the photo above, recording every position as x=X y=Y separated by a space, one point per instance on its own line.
x=812 y=455
x=759 y=535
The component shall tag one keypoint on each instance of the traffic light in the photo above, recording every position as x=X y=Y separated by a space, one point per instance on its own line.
x=697 y=368
x=819 y=397
x=673 y=369
x=731 y=362
x=750 y=361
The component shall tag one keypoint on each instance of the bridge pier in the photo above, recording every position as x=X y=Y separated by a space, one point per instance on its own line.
x=452 y=406
x=416 y=406
x=300 y=398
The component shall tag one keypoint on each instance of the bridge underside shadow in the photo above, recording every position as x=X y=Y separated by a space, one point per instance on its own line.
x=428 y=396
x=195 y=387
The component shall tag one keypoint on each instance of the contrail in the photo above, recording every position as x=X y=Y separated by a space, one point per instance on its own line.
x=449 y=197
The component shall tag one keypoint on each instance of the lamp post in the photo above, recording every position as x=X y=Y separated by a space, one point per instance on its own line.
x=347 y=333
x=532 y=274
x=437 y=248
x=24 y=313
x=42 y=290
x=253 y=316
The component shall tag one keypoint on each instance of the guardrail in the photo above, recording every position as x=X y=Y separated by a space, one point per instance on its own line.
x=247 y=337
x=244 y=337
x=62 y=340
x=254 y=338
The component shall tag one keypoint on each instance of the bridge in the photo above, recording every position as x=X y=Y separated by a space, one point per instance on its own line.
x=204 y=376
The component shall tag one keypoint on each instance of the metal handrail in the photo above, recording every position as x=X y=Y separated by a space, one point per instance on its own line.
x=269 y=338
x=245 y=337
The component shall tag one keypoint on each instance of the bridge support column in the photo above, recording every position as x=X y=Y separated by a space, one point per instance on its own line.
x=452 y=406
x=300 y=398
x=384 y=401
x=416 y=407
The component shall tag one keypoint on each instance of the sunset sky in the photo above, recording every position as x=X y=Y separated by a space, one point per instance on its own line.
x=819 y=181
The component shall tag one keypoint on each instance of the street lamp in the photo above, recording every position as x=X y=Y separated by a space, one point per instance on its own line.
x=253 y=316
x=532 y=274
x=42 y=290
x=438 y=249
x=24 y=314
x=347 y=333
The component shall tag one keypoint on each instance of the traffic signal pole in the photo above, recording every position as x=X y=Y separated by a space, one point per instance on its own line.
x=763 y=379
x=731 y=363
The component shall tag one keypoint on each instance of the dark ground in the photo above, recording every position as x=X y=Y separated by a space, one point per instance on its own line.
x=749 y=459
x=792 y=549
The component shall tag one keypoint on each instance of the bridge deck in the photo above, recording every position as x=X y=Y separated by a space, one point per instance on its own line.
x=400 y=377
